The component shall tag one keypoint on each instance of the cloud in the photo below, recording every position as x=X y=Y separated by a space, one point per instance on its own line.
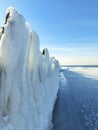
x=61 y=49
x=77 y=60
x=74 y=49
x=74 y=54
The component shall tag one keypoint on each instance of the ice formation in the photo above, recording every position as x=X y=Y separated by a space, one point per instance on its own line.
x=29 y=79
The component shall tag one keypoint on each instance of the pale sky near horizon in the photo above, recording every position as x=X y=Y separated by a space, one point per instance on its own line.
x=68 y=28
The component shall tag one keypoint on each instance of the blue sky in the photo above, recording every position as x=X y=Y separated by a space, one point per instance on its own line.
x=68 y=28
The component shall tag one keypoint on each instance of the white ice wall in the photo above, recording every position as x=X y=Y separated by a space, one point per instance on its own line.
x=29 y=79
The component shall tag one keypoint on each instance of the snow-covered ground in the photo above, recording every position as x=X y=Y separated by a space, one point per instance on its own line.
x=86 y=71
x=29 y=78
x=77 y=103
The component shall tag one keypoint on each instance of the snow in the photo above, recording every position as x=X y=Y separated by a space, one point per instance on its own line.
x=4 y=124
x=86 y=71
x=63 y=80
x=77 y=103
x=29 y=79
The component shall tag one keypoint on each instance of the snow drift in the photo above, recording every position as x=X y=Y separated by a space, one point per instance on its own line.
x=29 y=79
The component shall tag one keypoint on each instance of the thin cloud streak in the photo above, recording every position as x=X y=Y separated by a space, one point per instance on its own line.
x=77 y=60
x=74 y=49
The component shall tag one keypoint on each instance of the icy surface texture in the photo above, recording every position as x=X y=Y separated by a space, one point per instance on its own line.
x=29 y=79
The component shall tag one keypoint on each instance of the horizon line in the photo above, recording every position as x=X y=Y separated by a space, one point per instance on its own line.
x=79 y=65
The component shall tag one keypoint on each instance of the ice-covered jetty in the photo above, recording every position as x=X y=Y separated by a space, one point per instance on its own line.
x=29 y=78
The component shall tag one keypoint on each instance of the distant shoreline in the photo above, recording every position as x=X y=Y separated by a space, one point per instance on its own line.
x=79 y=65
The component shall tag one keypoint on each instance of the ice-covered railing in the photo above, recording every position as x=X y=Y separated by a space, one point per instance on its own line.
x=29 y=79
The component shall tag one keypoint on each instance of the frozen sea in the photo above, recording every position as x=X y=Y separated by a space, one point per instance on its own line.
x=76 y=107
